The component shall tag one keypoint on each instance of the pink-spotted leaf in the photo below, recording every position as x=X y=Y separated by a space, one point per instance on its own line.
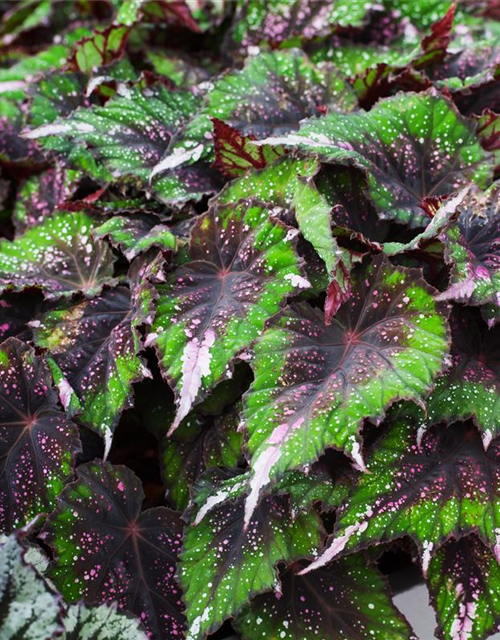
x=411 y=146
x=59 y=256
x=242 y=266
x=430 y=488
x=38 y=443
x=346 y=601
x=93 y=348
x=107 y=550
x=315 y=383
x=224 y=563
x=463 y=580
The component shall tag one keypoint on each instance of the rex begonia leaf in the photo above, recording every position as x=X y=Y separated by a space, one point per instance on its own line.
x=463 y=578
x=136 y=233
x=315 y=383
x=472 y=248
x=289 y=184
x=171 y=11
x=441 y=485
x=279 y=20
x=38 y=443
x=223 y=564
x=270 y=96
x=242 y=266
x=471 y=387
x=235 y=153
x=59 y=256
x=411 y=146
x=107 y=550
x=31 y=610
x=102 y=622
x=196 y=446
x=349 y=599
x=40 y=195
x=131 y=133
x=93 y=350
x=100 y=49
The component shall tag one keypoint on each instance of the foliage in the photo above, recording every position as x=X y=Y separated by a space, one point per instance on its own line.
x=249 y=317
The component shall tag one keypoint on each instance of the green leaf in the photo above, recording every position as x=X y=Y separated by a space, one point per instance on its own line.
x=103 y=622
x=348 y=600
x=411 y=146
x=269 y=96
x=463 y=580
x=315 y=383
x=136 y=233
x=223 y=564
x=472 y=249
x=59 y=256
x=471 y=387
x=431 y=488
x=242 y=266
x=93 y=347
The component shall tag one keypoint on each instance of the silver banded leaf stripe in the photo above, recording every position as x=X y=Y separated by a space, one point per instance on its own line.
x=314 y=384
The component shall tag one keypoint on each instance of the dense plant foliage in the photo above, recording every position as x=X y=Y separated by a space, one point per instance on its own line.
x=249 y=317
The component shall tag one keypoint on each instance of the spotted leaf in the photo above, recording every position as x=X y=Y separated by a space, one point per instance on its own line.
x=462 y=578
x=58 y=255
x=107 y=550
x=223 y=564
x=242 y=266
x=280 y=20
x=38 y=443
x=93 y=350
x=347 y=600
x=136 y=233
x=430 y=488
x=471 y=387
x=315 y=383
x=269 y=96
x=472 y=248
x=130 y=135
x=196 y=446
x=411 y=146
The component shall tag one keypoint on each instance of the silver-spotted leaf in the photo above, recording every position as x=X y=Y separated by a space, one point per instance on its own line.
x=463 y=580
x=107 y=550
x=430 y=488
x=269 y=96
x=223 y=564
x=412 y=146
x=315 y=383
x=347 y=600
x=242 y=266
x=93 y=348
x=471 y=387
x=136 y=233
x=58 y=255
x=38 y=443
